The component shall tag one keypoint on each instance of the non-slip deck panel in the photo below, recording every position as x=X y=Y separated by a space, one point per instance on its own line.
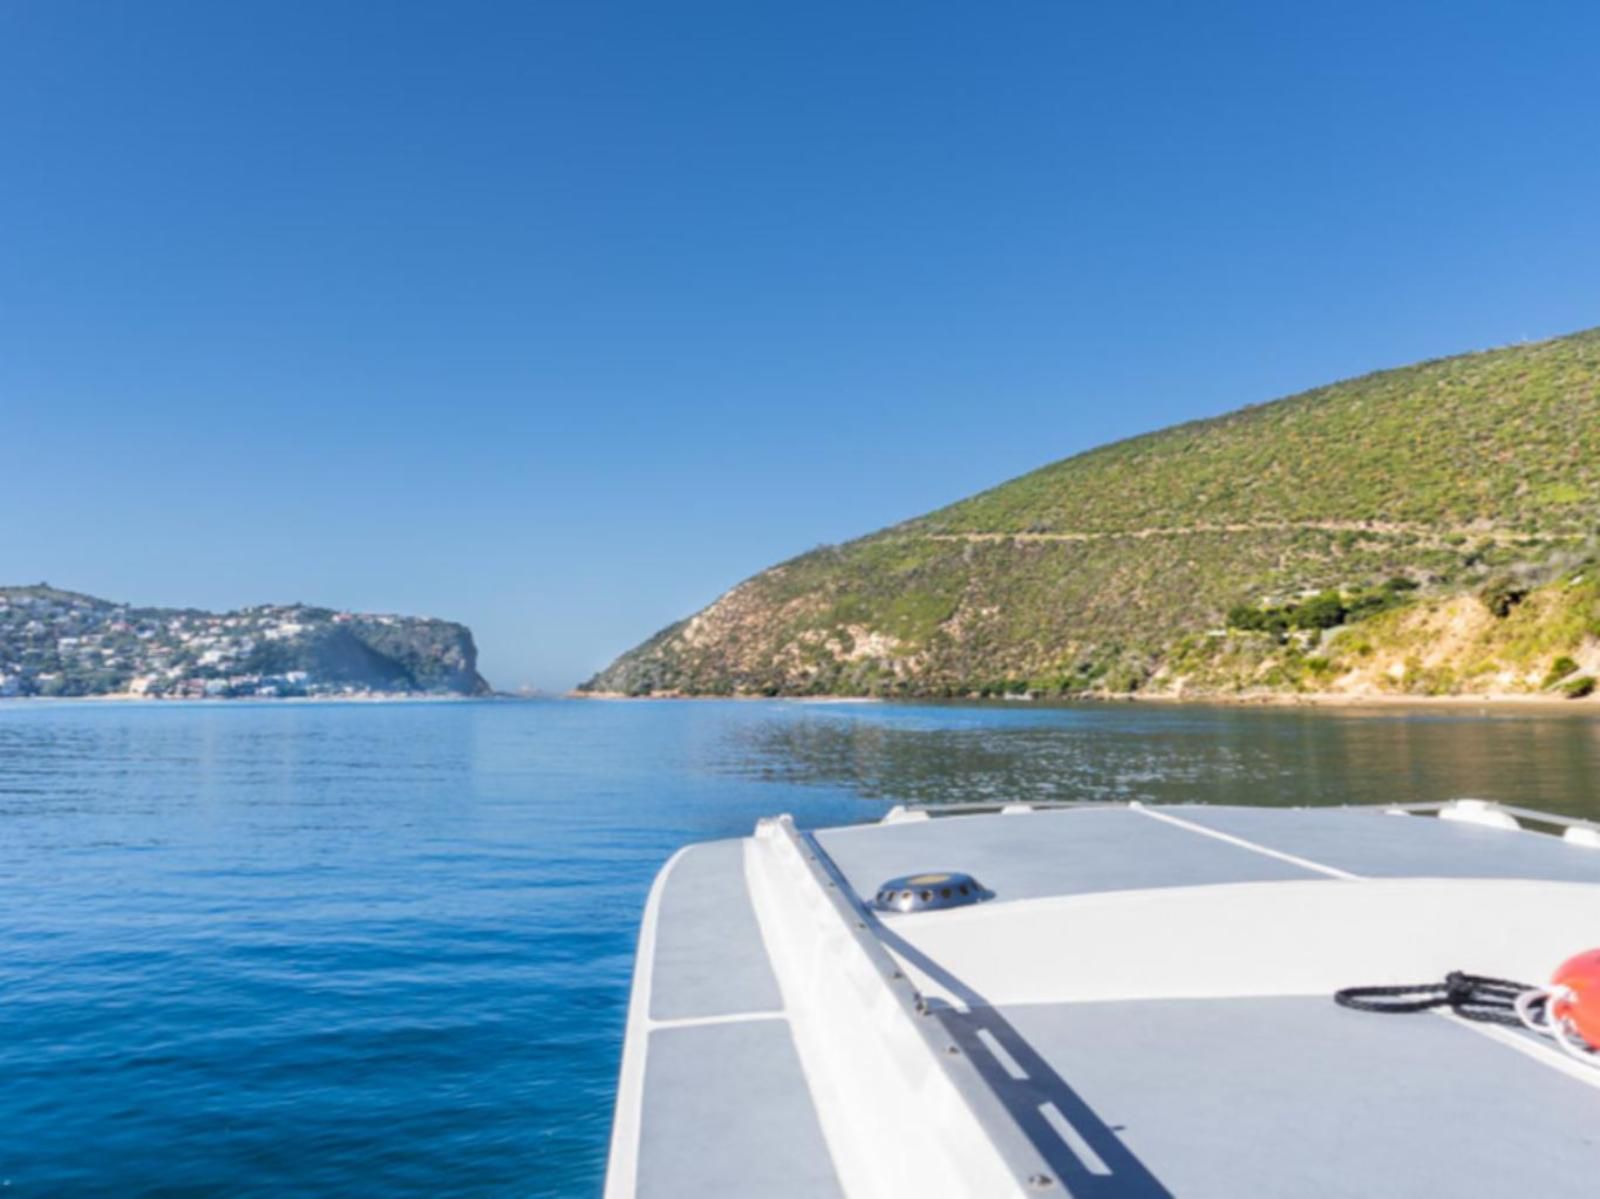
x=1368 y=842
x=1043 y=853
x=710 y=959
x=1216 y=1099
x=727 y=1112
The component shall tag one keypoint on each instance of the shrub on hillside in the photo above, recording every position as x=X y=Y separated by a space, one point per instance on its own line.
x=1560 y=669
x=1252 y=619
x=1323 y=611
x=1326 y=610
x=1124 y=679
x=1578 y=688
x=1501 y=595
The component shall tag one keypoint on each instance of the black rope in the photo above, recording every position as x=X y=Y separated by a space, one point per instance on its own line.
x=1470 y=996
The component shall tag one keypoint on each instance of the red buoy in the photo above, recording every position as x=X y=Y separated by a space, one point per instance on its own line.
x=1575 y=995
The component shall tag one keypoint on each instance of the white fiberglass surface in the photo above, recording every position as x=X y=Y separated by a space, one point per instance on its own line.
x=1046 y=853
x=1300 y=938
x=1292 y=1097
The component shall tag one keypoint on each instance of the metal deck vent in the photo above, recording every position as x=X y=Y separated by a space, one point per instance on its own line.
x=929 y=892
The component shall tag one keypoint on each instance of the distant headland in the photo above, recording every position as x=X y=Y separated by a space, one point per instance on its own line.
x=61 y=643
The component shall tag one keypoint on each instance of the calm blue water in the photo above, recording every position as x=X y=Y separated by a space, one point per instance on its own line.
x=353 y=949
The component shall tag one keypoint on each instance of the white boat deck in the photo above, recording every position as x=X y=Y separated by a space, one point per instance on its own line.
x=1143 y=1008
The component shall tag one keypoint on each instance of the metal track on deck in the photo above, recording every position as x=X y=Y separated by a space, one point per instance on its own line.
x=1024 y=1161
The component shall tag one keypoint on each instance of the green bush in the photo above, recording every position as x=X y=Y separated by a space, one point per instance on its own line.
x=1124 y=680
x=1502 y=595
x=1324 y=611
x=1560 y=669
x=1252 y=619
x=1578 y=688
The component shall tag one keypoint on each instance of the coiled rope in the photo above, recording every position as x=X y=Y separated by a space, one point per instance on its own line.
x=1470 y=996
x=1478 y=997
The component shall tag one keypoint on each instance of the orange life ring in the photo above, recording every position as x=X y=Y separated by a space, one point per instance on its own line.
x=1575 y=995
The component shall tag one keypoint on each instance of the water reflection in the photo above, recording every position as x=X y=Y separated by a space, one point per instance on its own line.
x=944 y=754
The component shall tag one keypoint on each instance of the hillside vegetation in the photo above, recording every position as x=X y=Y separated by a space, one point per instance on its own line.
x=1254 y=551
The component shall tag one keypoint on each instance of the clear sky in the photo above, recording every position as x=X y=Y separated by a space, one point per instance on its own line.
x=560 y=318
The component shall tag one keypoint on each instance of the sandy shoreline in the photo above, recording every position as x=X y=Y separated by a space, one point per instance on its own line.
x=1336 y=699
x=1265 y=699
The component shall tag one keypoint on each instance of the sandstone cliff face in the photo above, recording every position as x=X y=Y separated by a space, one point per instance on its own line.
x=429 y=655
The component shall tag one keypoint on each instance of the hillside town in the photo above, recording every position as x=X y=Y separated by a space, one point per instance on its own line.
x=61 y=643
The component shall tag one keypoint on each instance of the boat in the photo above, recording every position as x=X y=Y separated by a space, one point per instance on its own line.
x=1114 y=999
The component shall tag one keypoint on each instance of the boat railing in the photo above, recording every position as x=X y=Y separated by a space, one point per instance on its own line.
x=1575 y=830
x=957 y=1104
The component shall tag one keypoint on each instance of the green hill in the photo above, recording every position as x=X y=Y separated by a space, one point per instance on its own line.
x=1114 y=570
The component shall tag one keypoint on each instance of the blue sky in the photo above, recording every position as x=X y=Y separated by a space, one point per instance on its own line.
x=560 y=318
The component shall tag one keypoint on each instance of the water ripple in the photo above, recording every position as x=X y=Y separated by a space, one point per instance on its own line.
x=330 y=950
